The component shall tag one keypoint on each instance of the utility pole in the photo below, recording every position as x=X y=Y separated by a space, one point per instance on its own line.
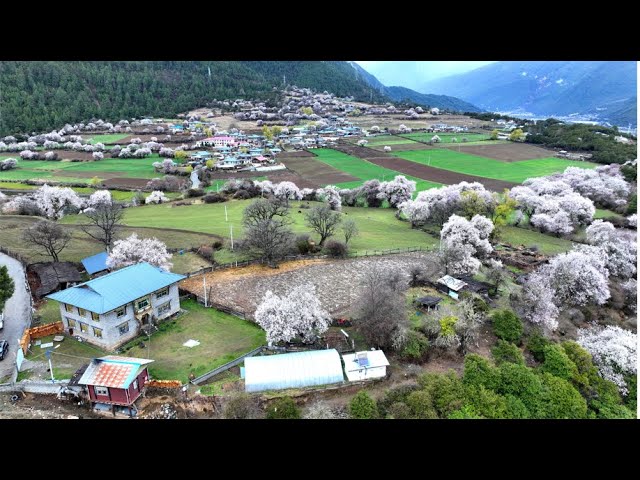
x=226 y=217
x=204 y=283
x=231 y=232
x=48 y=355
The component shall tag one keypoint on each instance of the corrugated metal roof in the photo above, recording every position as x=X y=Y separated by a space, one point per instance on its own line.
x=113 y=371
x=292 y=370
x=106 y=293
x=95 y=263
x=376 y=358
x=453 y=283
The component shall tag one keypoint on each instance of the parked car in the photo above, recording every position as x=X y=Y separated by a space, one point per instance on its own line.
x=4 y=348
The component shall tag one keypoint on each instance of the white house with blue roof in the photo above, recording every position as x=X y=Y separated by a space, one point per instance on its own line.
x=110 y=310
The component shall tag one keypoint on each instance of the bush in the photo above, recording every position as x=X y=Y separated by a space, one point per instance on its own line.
x=558 y=363
x=217 y=244
x=507 y=326
x=395 y=395
x=421 y=405
x=415 y=347
x=283 y=408
x=242 y=406
x=507 y=352
x=214 y=197
x=521 y=382
x=399 y=410
x=486 y=402
x=139 y=198
x=195 y=192
x=335 y=249
x=362 y=406
x=447 y=391
x=205 y=251
x=466 y=412
x=302 y=243
x=560 y=399
x=242 y=195
x=515 y=408
x=536 y=345
x=479 y=372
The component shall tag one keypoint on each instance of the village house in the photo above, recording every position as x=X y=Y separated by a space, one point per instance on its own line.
x=451 y=286
x=112 y=309
x=96 y=264
x=365 y=365
x=217 y=141
x=115 y=381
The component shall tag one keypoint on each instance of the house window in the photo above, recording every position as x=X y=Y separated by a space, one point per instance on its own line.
x=135 y=384
x=95 y=317
x=71 y=322
x=124 y=328
x=120 y=312
x=68 y=308
x=82 y=312
x=102 y=391
x=164 y=308
x=97 y=332
x=163 y=292
x=143 y=303
x=84 y=328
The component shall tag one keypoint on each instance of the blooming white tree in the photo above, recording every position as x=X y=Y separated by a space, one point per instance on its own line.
x=632 y=221
x=387 y=148
x=331 y=195
x=298 y=314
x=266 y=186
x=156 y=197
x=462 y=241
x=614 y=351
x=362 y=143
x=537 y=302
x=630 y=288
x=54 y=200
x=287 y=191
x=621 y=253
x=100 y=197
x=417 y=212
x=600 y=232
x=133 y=250
x=397 y=191
x=97 y=155
x=558 y=222
x=168 y=166
x=166 y=152
x=8 y=164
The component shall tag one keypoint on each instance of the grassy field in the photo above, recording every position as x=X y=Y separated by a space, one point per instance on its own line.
x=67 y=358
x=82 y=246
x=486 y=167
x=118 y=195
x=63 y=171
x=49 y=311
x=388 y=140
x=222 y=338
x=602 y=213
x=107 y=138
x=546 y=243
x=364 y=170
x=448 y=137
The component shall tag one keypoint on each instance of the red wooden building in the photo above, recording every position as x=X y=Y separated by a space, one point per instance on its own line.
x=114 y=380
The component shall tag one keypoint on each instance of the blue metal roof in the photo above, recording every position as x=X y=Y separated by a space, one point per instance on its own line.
x=106 y=293
x=95 y=263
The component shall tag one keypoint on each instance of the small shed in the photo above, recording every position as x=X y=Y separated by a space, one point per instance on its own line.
x=365 y=365
x=54 y=276
x=451 y=286
x=476 y=286
x=429 y=303
x=292 y=370
x=95 y=263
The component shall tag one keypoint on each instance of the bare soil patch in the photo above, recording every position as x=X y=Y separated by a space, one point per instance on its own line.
x=402 y=147
x=359 y=152
x=317 y=172
x=436 y=174
x=295 y=154
x=73 y=155
x=510 y=152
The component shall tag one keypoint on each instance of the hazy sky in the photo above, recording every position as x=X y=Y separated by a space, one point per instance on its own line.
x=414 y=74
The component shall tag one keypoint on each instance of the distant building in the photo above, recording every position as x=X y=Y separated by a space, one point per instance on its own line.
x=217 y=141
x=451 y=286
x=365 y=365
x=428 y=303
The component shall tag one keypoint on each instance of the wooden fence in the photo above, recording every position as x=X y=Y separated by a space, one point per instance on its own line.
x=164 y=384
x=226 y=366
x=39 y=332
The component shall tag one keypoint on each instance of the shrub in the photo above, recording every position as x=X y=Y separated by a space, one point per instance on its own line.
x=507 y=352
x=217 y=244
x=283 y=408
x=447 y=391
x=559 y=399
x=214 y=197
x=195 y=192
x=536 y=345
x=242 y=406
x=421 y=405
x=302 y=243
x=515 y=409
x=466 y=412
x=362 y=406
x=395 y=395
x=507 y=326
x=399 y=410
x=335 y=249
x=416 y=346
x=558 y=363
x=521 y=382
x=478 y=371
x=205 y=251
x=242 y=195
x=138 y=198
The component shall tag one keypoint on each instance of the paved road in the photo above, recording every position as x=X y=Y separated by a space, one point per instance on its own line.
x=17 y=314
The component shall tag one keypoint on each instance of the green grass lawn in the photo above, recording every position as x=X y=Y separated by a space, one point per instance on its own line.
x=602 y=213
x=49 y=311
x=118 y=195
x=546 y=244
x=67 y=358
x=364 y=170
x=448 y=137
x=222 y=338
x=378 y=226
x=486 y=167
x=107 y=138
x=81 y=246
x=188 y=262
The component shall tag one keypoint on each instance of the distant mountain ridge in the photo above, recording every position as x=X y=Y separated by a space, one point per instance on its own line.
x=401 y=94
x=603 y=89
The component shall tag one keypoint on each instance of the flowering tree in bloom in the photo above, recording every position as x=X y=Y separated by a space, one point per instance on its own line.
x=416 y=212
x=133 y=250
x=286 y=191
x=97 y=155
x=462 y=240
x=621 y=253
x=166 y=152
x=557 y=222
x=537 y=302
x=8 y=164
x=632 y=221
x=298 y=314
x=307 y=193
x=331 y=195
x=614 y=351
x=266 y=187
x=387 y=148
x=100 y=197
x=156 y=197
x=168 y=166
x=54 y=200
x=600 y=232
x=397 y=190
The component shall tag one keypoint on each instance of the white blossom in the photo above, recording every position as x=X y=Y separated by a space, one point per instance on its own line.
x=463 y=241
x=133 y=250
x=632 y=221
x=537 y=302
x=287 y=191
x=156 y=197
x=54 y=200
x=331 y=195
x=99 y=197
x=397 y=191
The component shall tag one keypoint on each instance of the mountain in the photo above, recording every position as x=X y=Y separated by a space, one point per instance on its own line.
x=402 y=94
x=38 y=96
x=603 y=89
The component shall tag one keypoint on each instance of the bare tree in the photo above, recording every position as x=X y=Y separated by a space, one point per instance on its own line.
x=47 y=235
x=104 y=222
x=349 y=229
x=265 y=209
x=380 y=313
x=323 y=221
x=271 y=239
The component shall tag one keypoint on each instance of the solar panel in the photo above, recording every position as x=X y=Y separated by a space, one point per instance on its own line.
x=363 y=361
